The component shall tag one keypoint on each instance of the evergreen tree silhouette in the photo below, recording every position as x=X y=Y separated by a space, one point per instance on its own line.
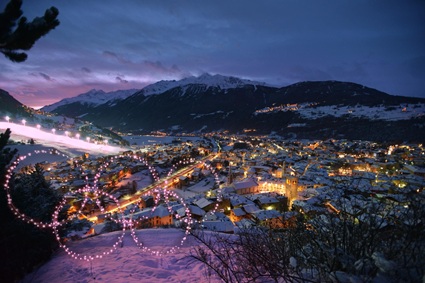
x=18 y=35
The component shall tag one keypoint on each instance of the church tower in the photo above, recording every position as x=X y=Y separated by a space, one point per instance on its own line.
x=291 y=189
x=230 y=176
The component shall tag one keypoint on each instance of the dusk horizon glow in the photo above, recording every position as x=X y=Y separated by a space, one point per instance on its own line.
x=113 y=45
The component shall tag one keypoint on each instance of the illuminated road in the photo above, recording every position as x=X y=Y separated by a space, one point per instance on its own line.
x=164 y=182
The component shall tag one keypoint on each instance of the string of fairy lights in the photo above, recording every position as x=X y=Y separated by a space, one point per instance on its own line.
x=91 y=192
x=134 y=221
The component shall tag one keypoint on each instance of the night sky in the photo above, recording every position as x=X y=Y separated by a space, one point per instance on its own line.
x=113 y=45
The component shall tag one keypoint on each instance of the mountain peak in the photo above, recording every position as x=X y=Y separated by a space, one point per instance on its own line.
x=93 y=97
x=9 y=105
x=220 y=81
x=205 y=75
x=93 y=91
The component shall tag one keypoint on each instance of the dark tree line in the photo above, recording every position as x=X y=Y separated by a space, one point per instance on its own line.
x=24 y=246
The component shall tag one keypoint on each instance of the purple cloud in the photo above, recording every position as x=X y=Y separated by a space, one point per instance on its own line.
x=379 y=44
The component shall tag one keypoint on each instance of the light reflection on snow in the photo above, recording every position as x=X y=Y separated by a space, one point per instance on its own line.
x=45 y=136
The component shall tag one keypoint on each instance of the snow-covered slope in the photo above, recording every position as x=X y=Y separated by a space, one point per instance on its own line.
x=311 y=111
x=65 y=143
x=93 y=97
x=219 y=81
x=127 y=263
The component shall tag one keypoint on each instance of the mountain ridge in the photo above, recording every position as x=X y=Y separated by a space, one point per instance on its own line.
x=310 y=109
x=94 y=97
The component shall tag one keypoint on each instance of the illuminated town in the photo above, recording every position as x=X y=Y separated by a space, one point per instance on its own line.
x=231 y=182
x=214 y=183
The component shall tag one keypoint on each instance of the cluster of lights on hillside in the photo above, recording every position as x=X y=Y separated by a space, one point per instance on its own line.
x=284 y=108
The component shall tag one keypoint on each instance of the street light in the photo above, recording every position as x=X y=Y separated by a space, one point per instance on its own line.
x=7 y=118
x=24 y=121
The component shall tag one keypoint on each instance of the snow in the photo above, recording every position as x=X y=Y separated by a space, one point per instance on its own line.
x=96 y=97
x=142 y=179
x=93 y=97
x=220 y=81
x=36 y=158
x=203 y=186
x=381 y=112
x=312 y=111
x=127 y=263
x=185 y=194
x=218 y=112
x=150 y=140
x=70 y=146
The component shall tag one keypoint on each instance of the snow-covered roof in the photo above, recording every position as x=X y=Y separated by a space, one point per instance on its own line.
x=247 y=183
x=251 y=208
x=196 y=210
x=219 y=226
x=159 y=211
x=203 y=202
x=266 y=214
x=239 y=212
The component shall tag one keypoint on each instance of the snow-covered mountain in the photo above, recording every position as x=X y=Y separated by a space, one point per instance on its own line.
x=219 y=81
x=96 y=97
x=209 y=103
x=92 y=98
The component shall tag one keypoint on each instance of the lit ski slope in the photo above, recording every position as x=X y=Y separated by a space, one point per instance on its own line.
x=59 y=139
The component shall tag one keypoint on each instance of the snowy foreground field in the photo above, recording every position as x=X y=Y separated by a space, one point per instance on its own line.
x=127 y=263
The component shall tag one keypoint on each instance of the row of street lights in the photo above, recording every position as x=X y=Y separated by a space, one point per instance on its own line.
x=54 y=130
